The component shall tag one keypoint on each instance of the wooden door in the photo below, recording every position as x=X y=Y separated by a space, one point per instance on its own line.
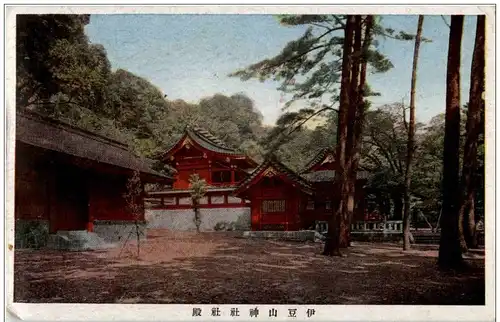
x=274 y=214
x=71 y=200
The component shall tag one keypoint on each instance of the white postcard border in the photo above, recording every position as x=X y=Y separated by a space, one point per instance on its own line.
x=162 y=312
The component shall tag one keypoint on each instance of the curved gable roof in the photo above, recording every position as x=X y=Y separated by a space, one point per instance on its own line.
x=205 y=140
x=209 y=141
x=274 y=166
x=318 y=158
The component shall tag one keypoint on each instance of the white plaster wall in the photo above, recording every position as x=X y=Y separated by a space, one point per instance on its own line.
x=185 y=201
x=182 y=219
x=217 y=199
x=231 y=199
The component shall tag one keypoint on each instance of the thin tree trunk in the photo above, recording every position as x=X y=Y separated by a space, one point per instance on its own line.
x=411 y=139
x=137 y=232
x=450 y=254
x=473 y=130
x=439 y=220
x=333 y=239
x=197 y=218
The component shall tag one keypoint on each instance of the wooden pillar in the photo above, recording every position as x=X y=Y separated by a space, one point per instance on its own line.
x=50 y=206
x=209 y=179
x=232 y=175
x=90 y=224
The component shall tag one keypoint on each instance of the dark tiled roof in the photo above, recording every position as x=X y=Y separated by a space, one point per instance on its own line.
x=329 y=175
x=50 y=134
x=317 y=158
x=206 y=140
x=281 y=168
x=209 y=141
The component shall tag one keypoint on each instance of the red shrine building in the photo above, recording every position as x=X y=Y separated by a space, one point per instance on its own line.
x=243 y=195
x=70 y=185
x=222 y=167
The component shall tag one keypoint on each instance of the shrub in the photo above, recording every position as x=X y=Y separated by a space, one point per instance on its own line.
x=33 y=234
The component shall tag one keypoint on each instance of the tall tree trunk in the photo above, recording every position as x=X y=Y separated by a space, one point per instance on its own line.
x=450 y=254
x=411 y=138
x=359 y=116
x=350 y=144
x=473 y=130
x=468 y=224
x=333 y=238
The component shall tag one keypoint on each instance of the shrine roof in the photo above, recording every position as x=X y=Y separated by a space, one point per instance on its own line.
x=208 y=141
x=319 y=157
x=329 y=175
x=47 y=133
x=279 y=167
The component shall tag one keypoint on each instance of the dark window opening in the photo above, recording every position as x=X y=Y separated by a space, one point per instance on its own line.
x=271 y=182
x=221 y=176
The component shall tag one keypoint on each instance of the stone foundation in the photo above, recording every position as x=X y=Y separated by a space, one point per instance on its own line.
x=76 y=240
x=211 y=219
x=113 y=231
x=301 y=235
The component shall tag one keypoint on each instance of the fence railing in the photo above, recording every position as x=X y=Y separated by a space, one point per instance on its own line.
x=362 y=226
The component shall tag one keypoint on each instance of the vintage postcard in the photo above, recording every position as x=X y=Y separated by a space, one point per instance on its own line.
x=275 y=163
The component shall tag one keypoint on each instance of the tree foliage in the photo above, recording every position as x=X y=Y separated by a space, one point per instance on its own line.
x=198 y=189
x=55 y=61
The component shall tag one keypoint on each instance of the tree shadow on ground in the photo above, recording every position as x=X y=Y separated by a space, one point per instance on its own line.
x=243 y=271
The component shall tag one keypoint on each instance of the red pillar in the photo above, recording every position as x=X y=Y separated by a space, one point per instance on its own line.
x=232 y=176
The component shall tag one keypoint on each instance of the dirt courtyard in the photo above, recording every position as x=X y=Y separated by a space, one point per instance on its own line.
x=177 y=267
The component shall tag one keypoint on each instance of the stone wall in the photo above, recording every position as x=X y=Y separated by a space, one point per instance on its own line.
x=237 y=218
x=116 y=230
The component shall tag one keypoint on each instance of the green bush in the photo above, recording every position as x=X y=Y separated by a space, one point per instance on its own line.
x=33 y=234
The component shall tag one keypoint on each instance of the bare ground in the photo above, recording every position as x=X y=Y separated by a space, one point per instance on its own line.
x=214 y=268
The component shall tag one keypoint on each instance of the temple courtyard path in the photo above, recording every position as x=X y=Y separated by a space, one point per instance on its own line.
x=185 y=267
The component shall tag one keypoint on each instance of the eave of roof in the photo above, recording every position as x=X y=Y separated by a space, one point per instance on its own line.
x=55 y=135
x=290 y=174
x=329 y=176
x=183 y=191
